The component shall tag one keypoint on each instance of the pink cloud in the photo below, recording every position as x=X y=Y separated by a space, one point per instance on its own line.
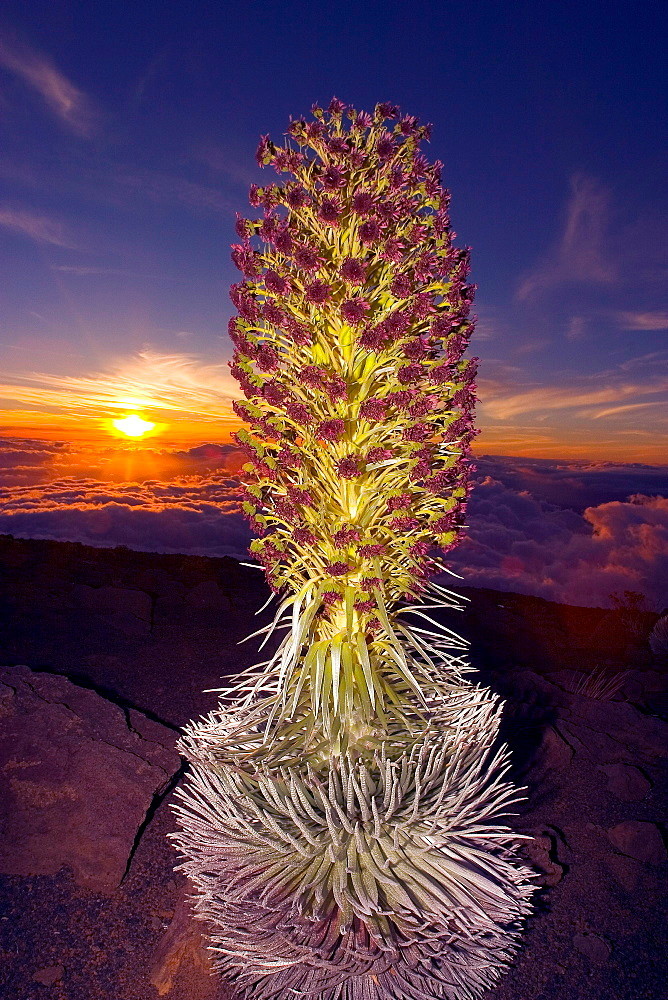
x=69 y=104
x=39 y=228
x=580 y=255
x=528 y=546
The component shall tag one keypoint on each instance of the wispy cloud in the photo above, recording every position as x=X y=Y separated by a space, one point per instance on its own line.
x=69 y=104
x=642 y=320
x=171 y=386
x=40 y=228
x=580 y=253
x=168 y=189
x=502 y=403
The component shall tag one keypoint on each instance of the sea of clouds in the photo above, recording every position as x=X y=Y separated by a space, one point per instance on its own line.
x=572 y=531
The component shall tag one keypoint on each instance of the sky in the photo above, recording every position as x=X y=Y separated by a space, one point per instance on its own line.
x=128 y=134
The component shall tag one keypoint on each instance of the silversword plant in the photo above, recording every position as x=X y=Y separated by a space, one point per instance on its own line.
x=342 y=823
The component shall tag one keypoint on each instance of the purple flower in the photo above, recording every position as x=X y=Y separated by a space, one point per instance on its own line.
x=303 y=497
x=244 y=227
x=296 y=197
x=331 y=430
x=337 y=569
x=418 y=432
x=275 y=282
x=314 y=130
x=337 y=388
x=273 y=314
x=404 y=500
x=369 y=231
x=317 y=292
x=373 y=409
x=267 y=358
x=333 y=178
x=330 y=597
x=369 y=582
x=245 y=259
x=414 y=349
x=363 y=203
x=408 y=125
x=348 y=467
x=336 y=107
x=444 y=523
x=385 y=147
x=264 y=151
x=338 y=145
x=445 y=479
x=285 y=509
x=329 y=211
x=283 y=240
x=440 y=374
x=353 y=271
x=363 y=120
x=373 y=338
x=290 y=458
x=298 y=332
x=398 y=178
x=307 y=258
x=364 y=606
x=404 y=523
x=254 y=196
x=422 y=305
x=387 y=110
x=287 y=160
x=345 y=535
x=299 y=413
x=397 y=323
x=393 y=250
x=401 y=400
x=303 y=536
x=353 y=310
x=420 y=406
x=274 y=392
x=410 y=374
x=269 y=227
x=378 y=454
x=402 y=285
x=313 y=375
x=368 y=551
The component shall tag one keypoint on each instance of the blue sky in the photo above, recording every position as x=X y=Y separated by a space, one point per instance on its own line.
x=129 y=134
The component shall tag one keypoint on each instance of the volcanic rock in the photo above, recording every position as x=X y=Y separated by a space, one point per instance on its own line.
x=639 y=840
x=77 y=777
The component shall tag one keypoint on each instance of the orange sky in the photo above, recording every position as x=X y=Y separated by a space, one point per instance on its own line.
x=190 y=402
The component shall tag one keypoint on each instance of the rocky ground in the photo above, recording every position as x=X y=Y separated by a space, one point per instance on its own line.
x=107 y=653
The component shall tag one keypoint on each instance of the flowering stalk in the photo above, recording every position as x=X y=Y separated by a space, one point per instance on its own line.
x=341 y=822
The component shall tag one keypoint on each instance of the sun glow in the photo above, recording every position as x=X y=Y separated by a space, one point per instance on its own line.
x=133 y=425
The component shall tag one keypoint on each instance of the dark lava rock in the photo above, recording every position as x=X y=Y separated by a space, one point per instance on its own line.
x=639 y=840
x=593 y=947
x=77 y=776
x=626 y=782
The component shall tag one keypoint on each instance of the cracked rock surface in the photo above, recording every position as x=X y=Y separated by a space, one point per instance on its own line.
x=122 y=647
x=77 y=778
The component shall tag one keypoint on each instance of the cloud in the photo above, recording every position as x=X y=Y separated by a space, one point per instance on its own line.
x=33 y=463
x=624 y=385
x=657 y=320
x=200 y=516
x=69 y=104
x=521 y=544
x=39 y=228
x=165 y=188
x=574 y=484
x=171 y=386
x=578 y=550
x=580 y=254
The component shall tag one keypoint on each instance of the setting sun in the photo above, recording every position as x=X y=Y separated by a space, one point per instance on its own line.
x=133 y=425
